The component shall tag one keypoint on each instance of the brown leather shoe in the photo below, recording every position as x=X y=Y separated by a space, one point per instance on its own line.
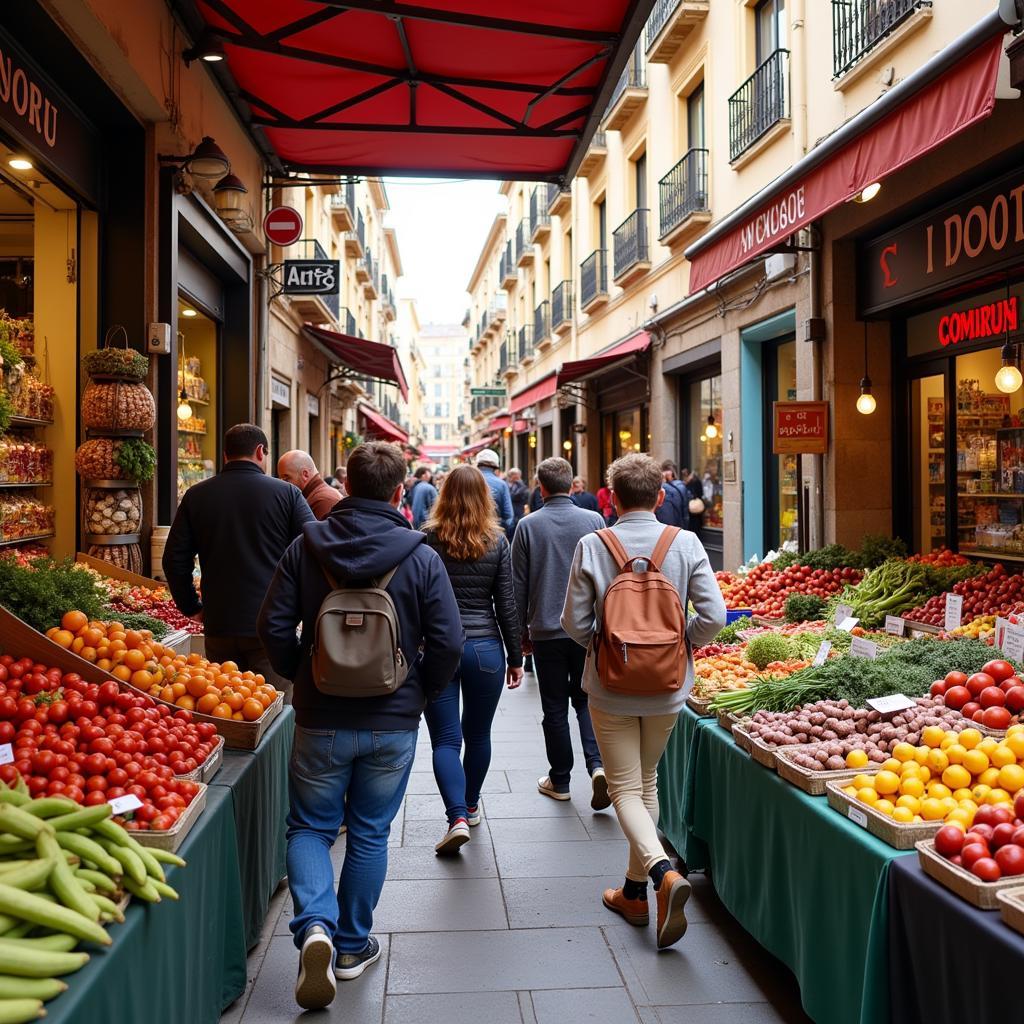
x=633 y=911
x=672 y=895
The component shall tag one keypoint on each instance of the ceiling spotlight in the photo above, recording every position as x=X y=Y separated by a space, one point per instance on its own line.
x=868 y=192
x=209 y=49
x=189 y=312
x=20 y=163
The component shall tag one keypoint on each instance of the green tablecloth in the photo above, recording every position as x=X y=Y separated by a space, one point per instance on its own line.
x=809 y=885
x=172 y=962
x=257 y=782
x=676 y=783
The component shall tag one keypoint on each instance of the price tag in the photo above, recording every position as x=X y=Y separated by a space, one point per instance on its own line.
x=954 y=611
x=860 y=647
x=847 y=624
x=843 y=612
x=1013 y=643
x=891 y=705
x=1001 y=626
x=856 y=815
x=895 y=625
x=822 y=655
x=124 y=804
x=6 y=753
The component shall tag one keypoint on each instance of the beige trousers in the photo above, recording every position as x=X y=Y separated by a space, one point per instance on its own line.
x=631 y=747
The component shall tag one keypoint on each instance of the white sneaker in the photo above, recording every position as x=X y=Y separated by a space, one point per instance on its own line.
x=547 y=787
x=316 y=986
x=351 y=965
x=473 y=816
x=455 y=838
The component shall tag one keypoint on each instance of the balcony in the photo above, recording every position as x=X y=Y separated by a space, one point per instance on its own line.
x=683 y=198
x=525 y=343
x=594 y=280
x=671 y=21
x=497 y=310
x=503 y=358
x=347 y=322
x=387 y=299
x=759 y=104
x=524 y=247
x=371 y=288
x=561 y=308
x=507 y=273
x=630 y=92
x=363 y=267
x=355 y=240
x=343 y=206
x=631 y=246
x=540 y=219
x=594 y=156
x=559 y=202
x=542 y=324
x=317 y=309
x=859 y=26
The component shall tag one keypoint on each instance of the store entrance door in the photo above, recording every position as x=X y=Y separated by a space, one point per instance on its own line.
x=923 y=476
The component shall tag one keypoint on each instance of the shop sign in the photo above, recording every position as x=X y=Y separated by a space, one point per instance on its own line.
x=280 y=392
x=980 y=232
x=800 y=428
x=312 y=405
x=488 y=392
x=311 y=277
x=988 y=321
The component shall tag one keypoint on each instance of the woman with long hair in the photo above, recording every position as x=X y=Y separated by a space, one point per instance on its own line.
x=464 y=530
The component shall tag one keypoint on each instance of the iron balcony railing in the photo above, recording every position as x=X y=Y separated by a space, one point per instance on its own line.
x=660 y=14
x=507 y=264
x=497 y=310
x=634 y=75
x=539 y=216
x=503 y=357
x=859 y=25
x=684 y=190
x=759 y=103
x=542 y=322
x=375 y=273
x=525 y=342
x=631 y=242
x=552 y=193
x=594 y=276
x=522 y=238
x=599 y=140
x=360 y=228
x=345 y=199
x=561 y=304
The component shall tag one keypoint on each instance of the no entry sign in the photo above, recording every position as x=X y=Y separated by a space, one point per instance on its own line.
x=283 y=225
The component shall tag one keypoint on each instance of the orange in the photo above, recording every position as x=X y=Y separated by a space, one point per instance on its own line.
x=260 y=680
x=77 y=644
x=89 y=653
x=103 y=663
x=207 y=702
x=233 y=700
x=114 y=627
x=228 y=666
x=237 y=716
x=186 y=702
x=167 y=694
x=222 y=711
x=133 y=638
x=265 y=699
x=195 y=685
x=143 y=680
x=74 y=621
x=179 y=690
x=252 y=709
x=122 y=672
x=51 y=631
x=134 y=659
x=93 y=637
x=63 y=637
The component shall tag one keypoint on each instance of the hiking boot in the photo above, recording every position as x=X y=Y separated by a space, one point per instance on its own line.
x=473 y=816
x=316 y=986
x=456 y=837
x=547 y=787
x=600 y=799
x=672 y=894
x=350 y=965
x=634 y=912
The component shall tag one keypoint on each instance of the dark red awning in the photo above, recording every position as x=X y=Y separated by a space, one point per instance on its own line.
x=511 y=90
x=367 y=358
x=479 y=446
x=499 y=422
x=619 y=353
x=380 y=427
x=438 y=451
x=934 y=113
x=534 y=393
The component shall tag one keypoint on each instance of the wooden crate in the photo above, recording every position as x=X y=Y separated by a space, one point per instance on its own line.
x=763 y=620
x=922 y=627
x=898 y=835
x=179 y=641
x=815 y=783
x=174 y=837
x=741 y=737
x=1011 y=906
x=983 y=895
x=117 y=573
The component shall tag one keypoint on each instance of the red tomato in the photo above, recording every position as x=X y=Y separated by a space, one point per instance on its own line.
x=74 y=793
x=94 y=797
x=972 y=852
x=969 y=708
x=1015 y=699
x=58 y=712
x=108 y=692
x=998 y=670
x=986 y=869
x=1002 y=834
x=991 y=697
x=1010 y=859
x=956 y=697
x=996 y=718
x=978 y=682
x=938 y=688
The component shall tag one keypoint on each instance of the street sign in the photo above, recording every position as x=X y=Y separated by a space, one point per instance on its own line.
x=311 y=277
x=283 y=225
x=488 y=392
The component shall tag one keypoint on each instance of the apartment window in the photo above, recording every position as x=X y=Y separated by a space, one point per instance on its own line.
x=438 y=432
x=568 y=262
x=640 y=182
x=602 y=224
x=695 y=119
x=438 y=390
x=769 y=28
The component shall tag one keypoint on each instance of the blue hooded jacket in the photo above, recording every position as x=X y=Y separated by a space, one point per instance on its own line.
x=359 y=541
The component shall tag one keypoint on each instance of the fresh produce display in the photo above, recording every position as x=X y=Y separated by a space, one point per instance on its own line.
x=993 y=697
x=769 y=647
x=949 y=776
x=764 y=589
x=981 y=628
x=112 y=511
x=730 y=634
x=993 y=847
x=118 y=405
x=890 y=589
x=124 y=556
x=940 y=556
x=116 y=364
x=986 y=594
x=41 y=590
x=157 y=604
x=727 y=671
x=803 y=607
x=105 y=458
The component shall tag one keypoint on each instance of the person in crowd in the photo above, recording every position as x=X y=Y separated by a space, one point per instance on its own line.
x=632 y=730
x=487 y=463
x=438 y=480
x=422 y=496
x=339 y=477
x=519 y=493
x=581 y=497
x=605 y=505
x=541 y=558
x=298 y=468
x=463 y=528
x=239 y=524
x=536 y=499
x=696 y=505
x=352 y=756
x=675 y=509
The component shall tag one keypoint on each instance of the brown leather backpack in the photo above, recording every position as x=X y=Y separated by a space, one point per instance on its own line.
x=640 y=648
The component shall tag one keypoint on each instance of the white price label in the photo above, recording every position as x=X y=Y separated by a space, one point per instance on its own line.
x=1001 y=626
x=895 y=625
x=1013 y=643
x=843 y=612
x=892 y=704
x=822 y=655
x=863 y=648
x=847 y=624
x=125 y=804
x=857 y=816
x=6 y=753
x=954 y=611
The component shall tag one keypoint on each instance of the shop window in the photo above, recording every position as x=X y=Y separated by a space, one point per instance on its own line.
x=198 y=345
x=781 y=473
x=703 y=453
x=928 y=461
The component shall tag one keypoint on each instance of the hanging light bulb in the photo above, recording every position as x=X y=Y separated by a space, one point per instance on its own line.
x=184 y=409
x=1008 y=376
x=703 y=438
x=712 y=430
x=866 y=403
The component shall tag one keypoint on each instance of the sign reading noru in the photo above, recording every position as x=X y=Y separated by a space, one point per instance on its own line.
x=24 y=97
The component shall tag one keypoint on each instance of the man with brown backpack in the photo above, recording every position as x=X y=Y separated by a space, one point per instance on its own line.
x=628 y=591
x=381 y=634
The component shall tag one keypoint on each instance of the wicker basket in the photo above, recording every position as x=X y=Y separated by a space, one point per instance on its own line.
x=983 y=895
x=699 y=705
x=175 y=836
x=209 y=767
x=1011 y=906
x=726 y=719
x=815 y=783
x=761 y=752
x=898 y=835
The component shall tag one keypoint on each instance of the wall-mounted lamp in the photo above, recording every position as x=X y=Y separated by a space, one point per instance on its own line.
x=209 y=49
x=1008 y=376
x=228 y=194
x=19 y=162
x=868 y=192
x=567 y=445
x=207 y=160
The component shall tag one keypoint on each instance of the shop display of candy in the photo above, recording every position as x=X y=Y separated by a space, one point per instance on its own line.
x=30 y=397
x=24 y=517
x=112 y=512
x=94 y=460
x=194 y=425
x=116 y=363
x=118 y=405
x=24 y=462
x=124 y=556
x=194 y=385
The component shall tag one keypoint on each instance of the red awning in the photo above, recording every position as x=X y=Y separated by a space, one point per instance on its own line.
x=583 y=368
x=509 y=91
x=499 y=422
x=380 y=427
x=479 y=446
x=534 y=393
x=438 y=451
x=930 y=116
x=519 y=426
x=366 y=358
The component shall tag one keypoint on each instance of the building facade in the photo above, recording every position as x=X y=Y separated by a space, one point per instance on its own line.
x=444 y=350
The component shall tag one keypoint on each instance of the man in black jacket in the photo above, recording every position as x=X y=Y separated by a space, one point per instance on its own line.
x=352 y=756
x=239 y=524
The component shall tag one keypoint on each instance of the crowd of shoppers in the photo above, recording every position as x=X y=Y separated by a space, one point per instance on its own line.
x=474 y=572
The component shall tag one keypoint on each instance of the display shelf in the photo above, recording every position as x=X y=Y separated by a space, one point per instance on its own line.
x=199 y=401
x=25 y=540
x=29 y=421
x=996 y=554
x=1005 y=495
x=197 y=433
x=9 y=487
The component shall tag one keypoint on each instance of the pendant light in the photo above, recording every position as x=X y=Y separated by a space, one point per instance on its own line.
x=866 y=403
x=184 y=408
x=712 y=430
x=1008 y=376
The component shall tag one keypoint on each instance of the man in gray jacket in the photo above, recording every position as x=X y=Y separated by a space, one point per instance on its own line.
x=542 y=554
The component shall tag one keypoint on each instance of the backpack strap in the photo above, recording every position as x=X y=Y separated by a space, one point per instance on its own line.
x=615 y=548
x=668 y=535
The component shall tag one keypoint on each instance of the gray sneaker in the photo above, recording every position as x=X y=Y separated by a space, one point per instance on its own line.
x=350 y=965
x=316 y=986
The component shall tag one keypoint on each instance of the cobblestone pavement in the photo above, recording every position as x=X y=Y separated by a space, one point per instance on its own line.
x=512 y=931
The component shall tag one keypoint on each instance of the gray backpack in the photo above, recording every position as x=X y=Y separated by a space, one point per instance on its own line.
x=356 y=650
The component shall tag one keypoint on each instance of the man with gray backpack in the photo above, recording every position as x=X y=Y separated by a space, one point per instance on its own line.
x=381 y=634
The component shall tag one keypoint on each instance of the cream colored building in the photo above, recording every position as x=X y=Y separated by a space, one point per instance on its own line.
x=444 y=350
x=407 y=343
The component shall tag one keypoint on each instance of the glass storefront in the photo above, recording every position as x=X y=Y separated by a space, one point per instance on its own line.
x=624 y=432
x=703 y=453
x=197 y=390
x=781 y=491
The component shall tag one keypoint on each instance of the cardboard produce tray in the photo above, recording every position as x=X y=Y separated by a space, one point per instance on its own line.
x=210 y=767
x=699 y=705
x=174 y=837
x=761 y=752
x=726 y=719
x=815 y=783
x=1011 y=906
x=898 y=835
x=983 y=895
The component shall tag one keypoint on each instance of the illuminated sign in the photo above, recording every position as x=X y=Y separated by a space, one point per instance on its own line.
x=988 y=321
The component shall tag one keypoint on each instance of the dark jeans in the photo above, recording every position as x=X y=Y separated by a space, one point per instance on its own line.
x=480 y=678
x=247 y=652
x=559 y=665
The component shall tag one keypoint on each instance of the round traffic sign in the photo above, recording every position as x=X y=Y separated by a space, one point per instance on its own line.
x=283 y=225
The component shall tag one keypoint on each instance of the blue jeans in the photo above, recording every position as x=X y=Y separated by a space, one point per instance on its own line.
x=360 y=775
x=480 y=678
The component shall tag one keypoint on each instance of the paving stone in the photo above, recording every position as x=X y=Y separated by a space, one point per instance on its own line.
x=421 y=783
x=563 y=860
x=601 y=1005
x=492 y=1007
x=728 y=1013
x=499 y=961
x=537 y=830
x=427 y=831
x=474 y=860
x=453 y=904
x=527 y=805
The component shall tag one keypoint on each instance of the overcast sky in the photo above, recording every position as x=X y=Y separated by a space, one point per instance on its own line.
x=441 y=228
